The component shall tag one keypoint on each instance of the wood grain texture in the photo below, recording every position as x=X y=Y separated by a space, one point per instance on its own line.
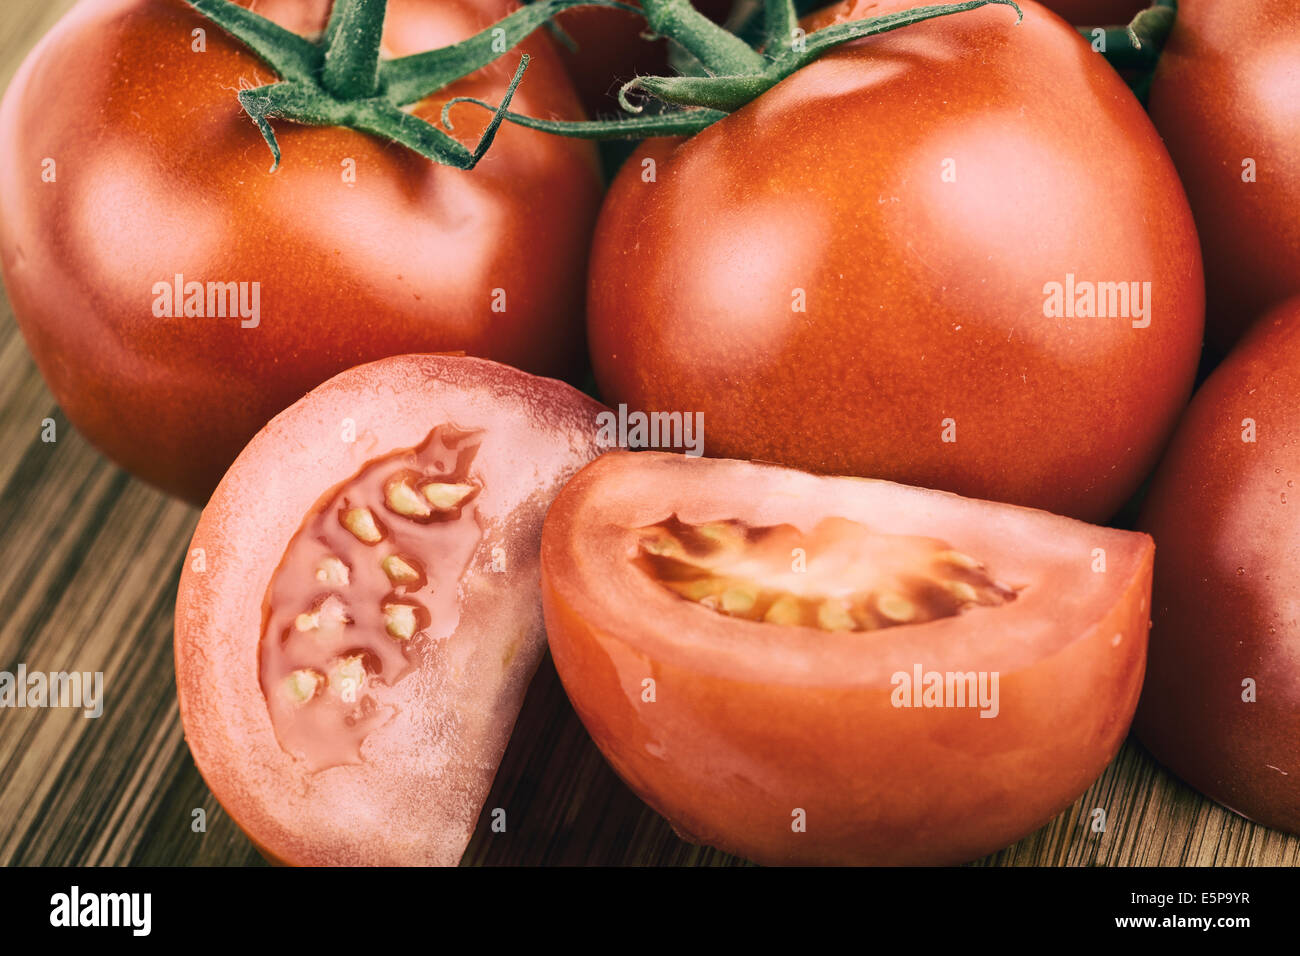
x=89 y=563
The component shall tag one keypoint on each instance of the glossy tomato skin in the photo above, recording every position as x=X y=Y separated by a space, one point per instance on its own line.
x=159 y=173
x=922 y=298
x=728 y=733
x=415 y=796
x=1224 y=95
x=1222 y=512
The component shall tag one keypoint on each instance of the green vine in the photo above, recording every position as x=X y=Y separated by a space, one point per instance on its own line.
x=731 y=74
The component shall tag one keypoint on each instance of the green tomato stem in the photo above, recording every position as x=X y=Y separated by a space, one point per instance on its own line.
x=341 y=80
x=352 y=55
x=677 y=123
x=780 y=22
x=712 y=96
x=720 y=51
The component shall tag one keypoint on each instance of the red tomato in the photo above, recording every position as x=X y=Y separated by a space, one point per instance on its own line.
x=358 y=620
x=1221 y=706
x=1226 y=98
x=708 y=619
x=158 y=173
x=851 y=273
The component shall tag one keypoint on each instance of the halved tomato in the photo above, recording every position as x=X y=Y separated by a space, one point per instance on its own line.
x=359 y=616
x=806 y=669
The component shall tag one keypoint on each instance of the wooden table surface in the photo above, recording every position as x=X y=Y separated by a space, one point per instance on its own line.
x=89 y=563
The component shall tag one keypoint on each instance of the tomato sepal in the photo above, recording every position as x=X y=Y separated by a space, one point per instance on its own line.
x=341 y=80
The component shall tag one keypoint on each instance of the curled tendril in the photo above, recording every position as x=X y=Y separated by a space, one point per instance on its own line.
x=624 y=102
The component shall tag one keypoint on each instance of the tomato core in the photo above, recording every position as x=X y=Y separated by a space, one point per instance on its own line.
x=358 y=597
x=855 y=580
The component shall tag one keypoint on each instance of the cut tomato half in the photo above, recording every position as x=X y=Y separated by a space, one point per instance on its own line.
x=359 y=615
x=806 y=669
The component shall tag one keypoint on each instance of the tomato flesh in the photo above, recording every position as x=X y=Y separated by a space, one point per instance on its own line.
x=747 y=572
x=934 y=738
x=357 y=598
x=359 y=616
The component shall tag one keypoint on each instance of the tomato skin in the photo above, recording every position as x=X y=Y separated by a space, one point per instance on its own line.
x=924 y=299
x=1222 y=513
x=1224 y=92
x=159 y=172
x=734 y=741
x=416 y=795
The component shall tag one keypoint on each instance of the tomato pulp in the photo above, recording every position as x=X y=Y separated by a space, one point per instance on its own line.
x=359 y=615
x=131 y=177
x=923 y=258
x=1221 y=705
x=803 y=669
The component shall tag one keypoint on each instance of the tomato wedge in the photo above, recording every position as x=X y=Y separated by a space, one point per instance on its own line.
x=358 y=619
x=807 y=669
